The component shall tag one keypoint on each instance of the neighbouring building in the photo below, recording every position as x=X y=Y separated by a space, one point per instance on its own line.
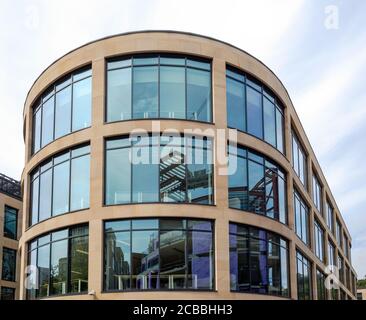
x=99 y=226
x=10 y=229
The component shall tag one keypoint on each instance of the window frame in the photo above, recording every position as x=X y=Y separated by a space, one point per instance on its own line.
x=6 y=211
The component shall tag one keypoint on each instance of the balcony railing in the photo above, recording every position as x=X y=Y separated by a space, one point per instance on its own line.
x=10 y=186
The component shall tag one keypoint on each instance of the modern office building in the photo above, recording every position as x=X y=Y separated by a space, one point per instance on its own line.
x=10 y=229
x=122 y=202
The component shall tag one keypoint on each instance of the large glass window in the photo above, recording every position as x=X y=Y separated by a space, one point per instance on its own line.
x=339 y=232
x=317 y=194
x=252 y=108
x=330 y=221
x=158 y=86
x=60 y=185
x=178 y=170
x=341 y=269
x=63 y=108
x=256 y=184
x=304 y=287
x=320 y=282
x=9 y=264
x=158 y=254
x=299 y=159
x=331 y=254
x=301 y=218
x=319 y=240
x=10 y=222
x=258 y=261
x=61 y=258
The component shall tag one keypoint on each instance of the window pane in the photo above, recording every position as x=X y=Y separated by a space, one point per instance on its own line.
x=119 y=95
x=9 y=264
x=118 y=176
x=7 y=293
x=80 y=178
x=117 y=261
x=235 y=100
x=79 y=264
x=279 y=130
x=274 y=269
x=258 y=263
x=45 y=195
x=172 y=92
x=47 y=121
x=254 y=113
x=145 y=259
x=61 y=175
x=198 y=95
x=145 y=92
x=269 y=122
x=10 y=222
x=59 y=267
x=63 y=112
x=44 y=270
x=282 y=200
x=37 y=131
x=81 y=108
x=256 y=187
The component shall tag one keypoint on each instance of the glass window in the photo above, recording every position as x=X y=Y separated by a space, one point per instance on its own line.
x=80 y=179
x=255 y=113
x=258 y=264
x=304 y=284
x=119 y=94
x=279 y=130
x=145 y=92
x=319 y=241
x=320 y=282
x=50 y=185
x=331 y=254
x=341 y=269
x=238 y=184
x=61 y=261
x=256 y=187
x=330 y=217
x=9 y=264
x=154 y=259
x=198 y=95
x=10 y=222
x=301 y=218
x=47 y=121
x=172 y=92
x=317 y=194
x=7 y=293
x=299 y=159
x=63 y=112
x=235 y=99
x=269 y=118
x=339 y=232
x=37 y=130
x=81 y=108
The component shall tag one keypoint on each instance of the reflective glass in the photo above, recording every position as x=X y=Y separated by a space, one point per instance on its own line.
x=256 y=202
x=80 y=179
x=37 y=130
x=254 y=111
x=236 y=117
x=269 y=118
x=81 y=108
x=9 y=265
x=61 y=177
x=63 y=112
x=47 y=121
x=45 y=206
x=43 y=264
x=59 y=265
x=10 y=222
x=79 y=264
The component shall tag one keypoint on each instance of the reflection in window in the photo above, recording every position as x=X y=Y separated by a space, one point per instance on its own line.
x=301 y=218
x=251 y=108
x=63 y=108
x=299 y=159
x=178 y=170
x=61 y=258
x=304 y=287
x=319 y=240
x=159 y=86
x=339 y=232
x=10 y=222
x=331 y=254
x=256 y=184
x=320 y=282
x=60 y=185
x=158 y=254
x=258 y=261
x=317 y=194
x=330 y=221
x=9 y=264
x=7 y=293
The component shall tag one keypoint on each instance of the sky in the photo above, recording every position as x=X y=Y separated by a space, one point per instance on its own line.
x=316 y=47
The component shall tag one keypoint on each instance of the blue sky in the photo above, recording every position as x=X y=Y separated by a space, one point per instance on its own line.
x=324 y=69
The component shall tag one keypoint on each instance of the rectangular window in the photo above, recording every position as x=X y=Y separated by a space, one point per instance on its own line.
x=269 y=118
x=317 y=194
x=47 y=121
x=330 y=217
x=7 y=293
x=255 y=113
x=331 y=254
x=81 y=108
x=235 y=99
x=9 y=264
x=170 y=254
x=301 y=218
x=37 y=123
x=319 y=240
x=10 y=223
x=304 y=282
x=299 y=160
x=341 y=269
x=63 y=112
x=339 y=233
x=320 y=282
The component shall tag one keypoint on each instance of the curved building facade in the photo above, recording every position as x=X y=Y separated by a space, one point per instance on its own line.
x=128 y=194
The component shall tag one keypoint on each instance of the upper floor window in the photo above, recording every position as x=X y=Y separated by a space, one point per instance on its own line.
x=304 y=282
x=301 y=218
x=159 y=254
x=63 y=108
x=252 y=108
x=9 y=264
x=330 y=217
x=317 y=193
x=345 y=245
x=10 y=222
x=256 y=184
x=320 y=282
x=331 y=254
x=258 y=261
x=61 y=258
x=319 y=240
x=178 y=169
x=299 y=160
x=339 y=233
x=341 y=269
x=159 y=86
x=60 y=184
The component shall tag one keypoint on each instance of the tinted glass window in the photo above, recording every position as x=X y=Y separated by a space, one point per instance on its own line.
x=10 y=222
x=81 y=109
x=236 y=117
x=63 y=112
x=255 y=116
x=47 y=121
x=9 y=264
